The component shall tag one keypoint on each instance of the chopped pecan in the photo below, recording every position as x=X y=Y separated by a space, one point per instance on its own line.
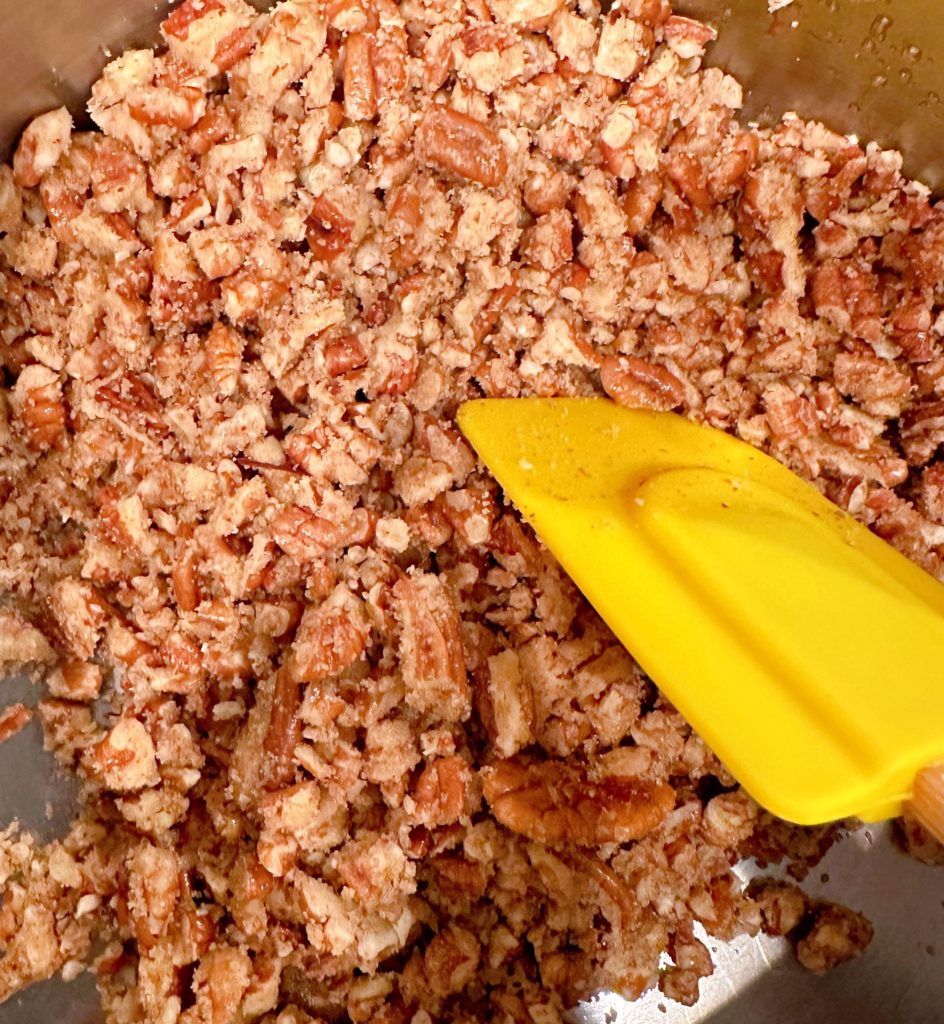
x=124 y=760
x=80 y=613
x=487 y=318
x=431 y=648
x=223 y=357
x=39 y=405
x=303 y=536
x=558 y=804
x=344 y=355
x=13 y=718
x=41 y=145
x=331 y=637
x=133 y=402
x=451 y=960
x=440 y=791
x=178 y=22
x=462 y=145
x=184 y=583
x=639 y=384
x=360 y=85
x=836 y=935
x=233 y=47
x=283 y=731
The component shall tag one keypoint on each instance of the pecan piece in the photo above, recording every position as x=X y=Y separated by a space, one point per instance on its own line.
x=441 y=789
x=487 y=318
x=283 y=732
x=560 y=805
x=39 y=406
x=125 y=759
x=44 y=141
x=331 y=637
x=185 y=585
x=431 y=648
x=836 y=934
x=134 y=403
x=302 y=535
x=13 y=719
x=223 y=358
x=637 y=384
x=360 y=85
x=344 y=355
x=178 y=22
x=462 y=145
x=329 y=230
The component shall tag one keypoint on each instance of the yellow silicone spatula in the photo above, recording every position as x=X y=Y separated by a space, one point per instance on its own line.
x=807 y=652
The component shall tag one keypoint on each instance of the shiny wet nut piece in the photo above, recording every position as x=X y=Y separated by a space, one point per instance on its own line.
x=350 y=741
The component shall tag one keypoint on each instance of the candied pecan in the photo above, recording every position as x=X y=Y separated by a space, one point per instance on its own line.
x=624 y=46
x=462 y=878
x=783 y=905
x=640 y=200
x=431 y=652
x=360 y=86
x=692 y=962
x=639 y=384
x=233 y=47
x=76 y=680
x=178 y=108
x=223 y=357
x=13 y=718
x=687 y=36
x=545 y=190
x=922 y=431
x=389 y=52
x=836 y=934
x=556 y=803
x=39 y=405
x=79 y=613
x=487 y=318
x=283 y=730
x=331 y=637
x=133 y=401
x=185 y=585
x=512 y=704
x=214 y=126
x=917 y=841
x=329 y=230
x=45 y=140
x=451 y=960
x=462 y=145
x=185 y=302
x=178 y=22
x=344 y=355
x=303 y=536
x=440 y=791
x=124 y=760
x=690 y=178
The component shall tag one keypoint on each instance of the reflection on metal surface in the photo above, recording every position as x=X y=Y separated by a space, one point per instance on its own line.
x=899 y=980
x=874 y=68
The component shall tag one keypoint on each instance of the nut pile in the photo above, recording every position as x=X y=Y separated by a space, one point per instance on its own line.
x=351 y=744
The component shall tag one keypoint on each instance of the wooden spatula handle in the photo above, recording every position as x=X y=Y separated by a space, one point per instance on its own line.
x=927 y=801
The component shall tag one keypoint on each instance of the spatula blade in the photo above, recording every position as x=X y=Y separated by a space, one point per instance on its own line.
x=805 y=650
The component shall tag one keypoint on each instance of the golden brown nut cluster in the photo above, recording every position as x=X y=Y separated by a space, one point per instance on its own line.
x=351 y=744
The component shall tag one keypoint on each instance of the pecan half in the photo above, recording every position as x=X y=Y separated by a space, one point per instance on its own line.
x=560 y=805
